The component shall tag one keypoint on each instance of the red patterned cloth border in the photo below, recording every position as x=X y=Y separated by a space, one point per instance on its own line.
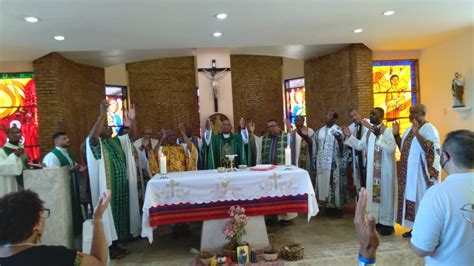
x=188 y=212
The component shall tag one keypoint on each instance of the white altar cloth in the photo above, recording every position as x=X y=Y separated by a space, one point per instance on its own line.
x=208 y=186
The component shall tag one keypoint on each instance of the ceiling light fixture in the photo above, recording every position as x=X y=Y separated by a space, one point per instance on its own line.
x=31 y=19
x=221 y=16
x=59 y=38
x=358 y=30
x=389 y=12
x=217 y=34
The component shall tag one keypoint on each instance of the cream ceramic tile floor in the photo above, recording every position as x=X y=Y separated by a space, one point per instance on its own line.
x=327 y=242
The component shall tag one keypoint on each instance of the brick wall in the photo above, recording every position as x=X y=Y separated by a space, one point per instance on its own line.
x=69 y=95
x=338 y=81
x=164 y=92
x=257 y=89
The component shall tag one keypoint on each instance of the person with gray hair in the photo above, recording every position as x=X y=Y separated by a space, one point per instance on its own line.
x=419 y=166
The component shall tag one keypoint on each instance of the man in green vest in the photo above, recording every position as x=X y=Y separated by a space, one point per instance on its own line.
x=60 y=157
x=216 y=147
x=13 y=160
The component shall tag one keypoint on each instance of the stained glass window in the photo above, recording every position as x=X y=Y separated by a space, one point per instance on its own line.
x=117 y=97
x=395 y=87
x=295 y=99
x=18 y=109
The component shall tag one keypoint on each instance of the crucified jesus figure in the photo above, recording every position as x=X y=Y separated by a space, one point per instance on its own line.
x=214 y=77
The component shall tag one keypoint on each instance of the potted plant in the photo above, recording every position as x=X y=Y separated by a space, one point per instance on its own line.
x=233 y=230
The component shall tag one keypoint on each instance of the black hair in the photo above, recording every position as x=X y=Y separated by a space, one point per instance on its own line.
x=381 y=111
x=58 y=134
x=19 y=213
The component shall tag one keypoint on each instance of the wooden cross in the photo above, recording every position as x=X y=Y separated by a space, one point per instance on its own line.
x=214 y=74
x=275 y=178
x=172 y=184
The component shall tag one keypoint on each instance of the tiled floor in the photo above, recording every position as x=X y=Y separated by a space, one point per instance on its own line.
x=327 y=242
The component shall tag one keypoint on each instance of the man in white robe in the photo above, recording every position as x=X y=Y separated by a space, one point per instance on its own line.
x=357 y=158
x=143 y=146
x=301 y=144
x=419 y=166
x=380 y=145
x=330 y=184
x=13 y=160
x=112 y=166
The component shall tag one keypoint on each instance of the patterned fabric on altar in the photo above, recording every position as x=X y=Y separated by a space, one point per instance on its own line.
x=194 y=195
x=187 y=212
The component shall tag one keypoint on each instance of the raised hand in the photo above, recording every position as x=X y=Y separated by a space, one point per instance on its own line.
x=242 y=123
x=303 y=130
x=415 y=127
x=288 y=124
x=365 y=123
x=346 y=131
x=209 y=124
x=396 y=128
x=163 y=134
x=131 y=113
x=102 y=205
x=104 y=105
x=19 y=152
x=182 y=129
x=365 y=227
x=251 y=127
x=376 y=130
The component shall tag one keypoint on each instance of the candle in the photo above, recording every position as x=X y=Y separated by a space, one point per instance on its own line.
x=288 y=156
x=162 y=164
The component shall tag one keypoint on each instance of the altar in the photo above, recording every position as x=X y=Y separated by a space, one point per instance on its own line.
x=207 y=195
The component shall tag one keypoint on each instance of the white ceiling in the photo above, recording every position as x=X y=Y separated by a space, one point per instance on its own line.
x=108 y=32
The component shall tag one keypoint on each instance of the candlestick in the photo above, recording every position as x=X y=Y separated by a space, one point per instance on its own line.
x=287 y=157
x=163 y=165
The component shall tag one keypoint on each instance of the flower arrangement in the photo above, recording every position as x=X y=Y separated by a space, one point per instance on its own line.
x=234 y=227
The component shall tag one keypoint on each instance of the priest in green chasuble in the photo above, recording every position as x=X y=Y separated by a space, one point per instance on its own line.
x=270 y=149
x=216 y=147
x=111 y=165
x=60 y=157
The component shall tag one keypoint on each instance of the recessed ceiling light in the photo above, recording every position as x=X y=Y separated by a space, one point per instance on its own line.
x=389 y=12
x=31 y=19
x=358 y=30
x=221 y=16
x=217 y=34
x=59 y=38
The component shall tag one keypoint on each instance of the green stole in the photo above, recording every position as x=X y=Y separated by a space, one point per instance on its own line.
x=19 y=178
x=214 y=154
x=75 y=199
x=280 y=149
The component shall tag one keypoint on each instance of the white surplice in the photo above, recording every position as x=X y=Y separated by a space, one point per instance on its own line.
x=98 y=185
x=355 y=161
x=10 y=167
x=384 y=211
x=416 y=185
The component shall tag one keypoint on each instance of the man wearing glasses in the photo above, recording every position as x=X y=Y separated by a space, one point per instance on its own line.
x=443 y=230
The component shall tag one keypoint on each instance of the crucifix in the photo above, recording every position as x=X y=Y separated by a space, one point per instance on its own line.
x=214 y=74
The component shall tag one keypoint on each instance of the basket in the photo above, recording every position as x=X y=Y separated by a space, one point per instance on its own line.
x=292 y=252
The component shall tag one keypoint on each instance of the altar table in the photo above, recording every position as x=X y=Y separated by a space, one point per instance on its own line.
x=208 y=195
